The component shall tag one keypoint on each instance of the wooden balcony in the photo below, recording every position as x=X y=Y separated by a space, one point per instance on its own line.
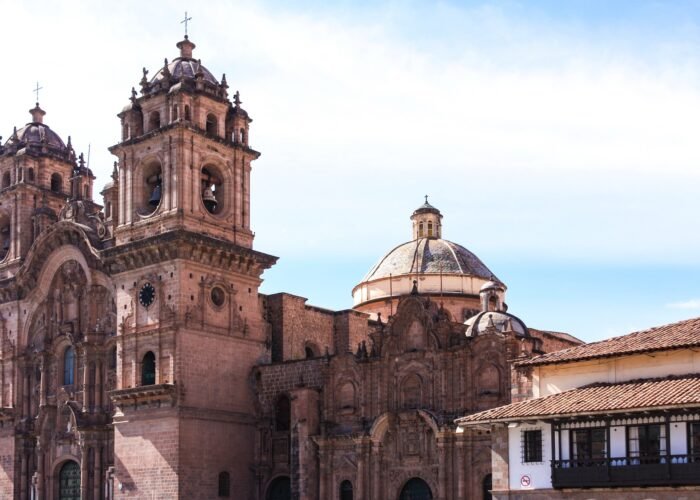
x=666 y=470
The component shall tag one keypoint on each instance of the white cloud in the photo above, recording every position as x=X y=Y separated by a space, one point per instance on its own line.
x=687 y=304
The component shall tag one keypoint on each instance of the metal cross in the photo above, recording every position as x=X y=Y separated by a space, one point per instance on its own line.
x=185 y=21
x=426 y=198
x=36 y=91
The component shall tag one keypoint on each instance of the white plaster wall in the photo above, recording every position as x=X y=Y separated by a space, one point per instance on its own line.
x=540 y=473
x=403 y=284
x=553 y=379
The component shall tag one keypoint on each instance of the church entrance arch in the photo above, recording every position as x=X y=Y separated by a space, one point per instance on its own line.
x=69 y=481
x=416 y=489
x=280 y=489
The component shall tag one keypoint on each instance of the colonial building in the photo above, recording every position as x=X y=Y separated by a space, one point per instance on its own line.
x=613 y=419
x=139 y=360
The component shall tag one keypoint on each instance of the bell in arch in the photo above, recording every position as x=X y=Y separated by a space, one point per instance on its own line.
x=209 y=199
x=154 y=200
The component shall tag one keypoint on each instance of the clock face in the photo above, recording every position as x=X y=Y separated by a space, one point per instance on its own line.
x=147 y=295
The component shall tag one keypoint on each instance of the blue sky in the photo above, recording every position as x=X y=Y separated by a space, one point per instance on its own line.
x=558 y=138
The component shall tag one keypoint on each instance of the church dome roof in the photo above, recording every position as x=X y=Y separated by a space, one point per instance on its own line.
x=498 y=321
x=429 y=255
x=37 y=133
x=184 y=68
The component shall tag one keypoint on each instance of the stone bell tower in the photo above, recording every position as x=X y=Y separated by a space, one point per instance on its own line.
x=184 y=159
x=38 y=173
x=186 y=278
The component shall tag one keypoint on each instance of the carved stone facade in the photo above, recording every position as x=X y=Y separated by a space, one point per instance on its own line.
x=139 y=360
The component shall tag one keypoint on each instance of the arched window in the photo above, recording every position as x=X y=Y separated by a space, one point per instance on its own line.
x=309 y=352
x=346 y=490
x=126 y=133
x=69 y=366
x=430 y=229
x=56 y=183
x=154 y=121
x=213 y=188
x=280 y=489
x=6 y=180
x=188 y=116
x=113 y=358
x=86 y=192
x=243 y=137
x=420 y=230
x=224 y=484
x=346 y=396
x=30 y=175
x=175 y=113
x=108 y=209
x=416 y=489
x=212 y=126
x=282 y=413
x=148 y=369
x=5 y=236
x=487 y=486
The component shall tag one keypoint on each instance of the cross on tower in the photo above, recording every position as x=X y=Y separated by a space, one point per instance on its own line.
x=185 y=22
x=426 y=198
x=36 y=91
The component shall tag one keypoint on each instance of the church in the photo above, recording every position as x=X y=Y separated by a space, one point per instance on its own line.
x=138 y=358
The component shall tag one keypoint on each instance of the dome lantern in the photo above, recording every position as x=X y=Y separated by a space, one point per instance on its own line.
x=427 y=221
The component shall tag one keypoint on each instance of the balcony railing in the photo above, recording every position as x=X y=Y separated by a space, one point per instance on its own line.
x=662 y=470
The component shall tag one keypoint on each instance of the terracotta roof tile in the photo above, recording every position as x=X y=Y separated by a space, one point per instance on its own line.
x=674 y=336
x=600 y=398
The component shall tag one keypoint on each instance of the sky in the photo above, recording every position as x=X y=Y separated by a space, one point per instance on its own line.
x=559 y=139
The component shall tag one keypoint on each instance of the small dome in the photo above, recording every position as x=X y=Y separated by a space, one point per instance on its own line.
x=426 y=208
x=501 y=322
x=36 y=133
x=187 y=69
x=429 y=255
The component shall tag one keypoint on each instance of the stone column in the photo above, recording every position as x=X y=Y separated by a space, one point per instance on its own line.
x=324 y=470
x=97 y=475
x=442 y=467
x=24 y=480
x=84 y=455
x=39 y=472
x=362 y=452
x=306 y=420
x=377 y=471
x=459 y=466
x=42 y=387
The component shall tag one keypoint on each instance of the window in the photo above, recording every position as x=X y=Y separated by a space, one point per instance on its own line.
x=588 y=445
x=113 y=358
x=148 y=369
x=346 y=490
x=56 y=183
x=309 y=352
x=154 y=121
x=6 y=180
x=694 y=441
x=188 y=116
x=243 y=138
x=126 y=133
x=420 y=230
x=646 y=443
x=68 y=365
x=212 y=127
x=174 y=113
x=416 y=488
x=532 y=446
x=30 y=175
x=430 y=229
x=282 y=414
x=224 y=484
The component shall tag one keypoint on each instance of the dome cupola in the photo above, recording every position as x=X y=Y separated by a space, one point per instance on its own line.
x=440 y=268
x=37 y=138
x=427 y=221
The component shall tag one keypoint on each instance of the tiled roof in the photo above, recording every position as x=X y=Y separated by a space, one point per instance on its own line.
x=674 y=336
x=600 y=398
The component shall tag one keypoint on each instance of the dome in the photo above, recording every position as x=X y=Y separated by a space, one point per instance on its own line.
x=183 y=68
x=429 y=255
x=500 y=321
x=36 y=133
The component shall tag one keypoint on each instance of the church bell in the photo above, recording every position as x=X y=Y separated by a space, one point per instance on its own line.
x=209 y=199
x=154 y=201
